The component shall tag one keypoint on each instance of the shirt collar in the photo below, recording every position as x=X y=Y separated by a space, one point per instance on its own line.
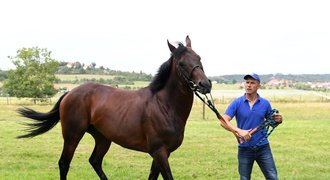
x=246 y=100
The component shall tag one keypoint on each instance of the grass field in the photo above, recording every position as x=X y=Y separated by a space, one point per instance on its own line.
x=300 y=146
x=72 y=77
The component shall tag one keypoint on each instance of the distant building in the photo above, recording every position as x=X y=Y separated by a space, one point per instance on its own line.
x=279 y=83
x=320 y=85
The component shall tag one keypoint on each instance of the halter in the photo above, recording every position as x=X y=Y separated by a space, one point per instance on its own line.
x=264 y=126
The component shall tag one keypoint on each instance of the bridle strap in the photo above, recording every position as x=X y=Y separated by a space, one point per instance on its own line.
x=192 y=70
x=188 y=76
x=210 y=104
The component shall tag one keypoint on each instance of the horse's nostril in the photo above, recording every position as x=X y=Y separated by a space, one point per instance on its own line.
x=205 y=84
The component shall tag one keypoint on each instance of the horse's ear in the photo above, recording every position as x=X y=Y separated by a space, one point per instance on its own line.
x=188 y=41
x=172 y=48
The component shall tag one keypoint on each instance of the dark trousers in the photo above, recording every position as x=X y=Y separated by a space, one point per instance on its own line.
x=262 y=155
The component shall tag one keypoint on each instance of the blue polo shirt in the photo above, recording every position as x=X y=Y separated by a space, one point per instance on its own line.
x=249 y=118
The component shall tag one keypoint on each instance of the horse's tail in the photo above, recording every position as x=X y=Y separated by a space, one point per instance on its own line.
x=43 y=122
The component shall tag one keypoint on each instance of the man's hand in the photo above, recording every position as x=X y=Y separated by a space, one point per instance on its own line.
x=278 y=118
x=245 y=135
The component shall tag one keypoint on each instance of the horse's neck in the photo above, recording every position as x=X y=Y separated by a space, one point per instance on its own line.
x=178 y=96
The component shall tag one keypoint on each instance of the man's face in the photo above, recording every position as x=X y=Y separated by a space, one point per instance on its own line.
x=251 y=85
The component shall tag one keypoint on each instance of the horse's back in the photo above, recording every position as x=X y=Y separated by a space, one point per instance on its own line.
x=79 y=99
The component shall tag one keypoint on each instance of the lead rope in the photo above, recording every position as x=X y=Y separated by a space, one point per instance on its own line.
x=210 y=104
x=269 y=122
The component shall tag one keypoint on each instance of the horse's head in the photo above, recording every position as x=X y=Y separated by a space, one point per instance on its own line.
x=189 y=67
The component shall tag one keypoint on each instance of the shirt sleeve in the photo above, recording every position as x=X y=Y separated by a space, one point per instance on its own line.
x=232 y=109
x=269 y=109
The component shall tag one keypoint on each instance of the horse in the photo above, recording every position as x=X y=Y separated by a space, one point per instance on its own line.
x=151 y=119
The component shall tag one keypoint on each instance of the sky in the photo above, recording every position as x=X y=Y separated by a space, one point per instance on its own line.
x=232 y=37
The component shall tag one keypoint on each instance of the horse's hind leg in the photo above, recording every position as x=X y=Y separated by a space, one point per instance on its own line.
x=101 y=148
x=70 y=144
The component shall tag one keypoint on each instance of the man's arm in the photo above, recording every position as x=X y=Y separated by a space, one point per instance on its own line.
x=240 y=133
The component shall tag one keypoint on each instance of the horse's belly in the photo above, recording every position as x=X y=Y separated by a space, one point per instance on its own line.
x=126 y=132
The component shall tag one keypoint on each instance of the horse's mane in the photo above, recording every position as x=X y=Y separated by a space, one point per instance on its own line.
x=164 y=70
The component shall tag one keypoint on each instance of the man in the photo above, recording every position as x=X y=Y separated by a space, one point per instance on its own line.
x=250 y=110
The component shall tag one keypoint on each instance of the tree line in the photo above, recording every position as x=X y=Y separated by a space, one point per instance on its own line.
x=237 y=78
x=120 y=77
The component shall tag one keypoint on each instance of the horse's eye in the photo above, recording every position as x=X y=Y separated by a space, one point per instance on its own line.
x=181 y=64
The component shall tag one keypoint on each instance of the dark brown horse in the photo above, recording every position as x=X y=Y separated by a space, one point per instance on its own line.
x=151 y=119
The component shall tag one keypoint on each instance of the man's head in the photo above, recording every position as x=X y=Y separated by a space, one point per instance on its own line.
x=252 y=83
x=253 y=76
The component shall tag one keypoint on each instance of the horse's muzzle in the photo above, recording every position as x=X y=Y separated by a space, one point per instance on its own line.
x=204 y=86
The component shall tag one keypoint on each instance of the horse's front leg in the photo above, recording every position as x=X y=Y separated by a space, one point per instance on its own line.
x=160 y=164
x=154 y=171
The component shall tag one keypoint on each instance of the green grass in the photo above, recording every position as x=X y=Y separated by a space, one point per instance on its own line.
x=72 y=77
x=300 y=147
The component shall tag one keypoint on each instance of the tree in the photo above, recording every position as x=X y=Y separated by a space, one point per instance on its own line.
x=34 y=75
x=3 y=75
